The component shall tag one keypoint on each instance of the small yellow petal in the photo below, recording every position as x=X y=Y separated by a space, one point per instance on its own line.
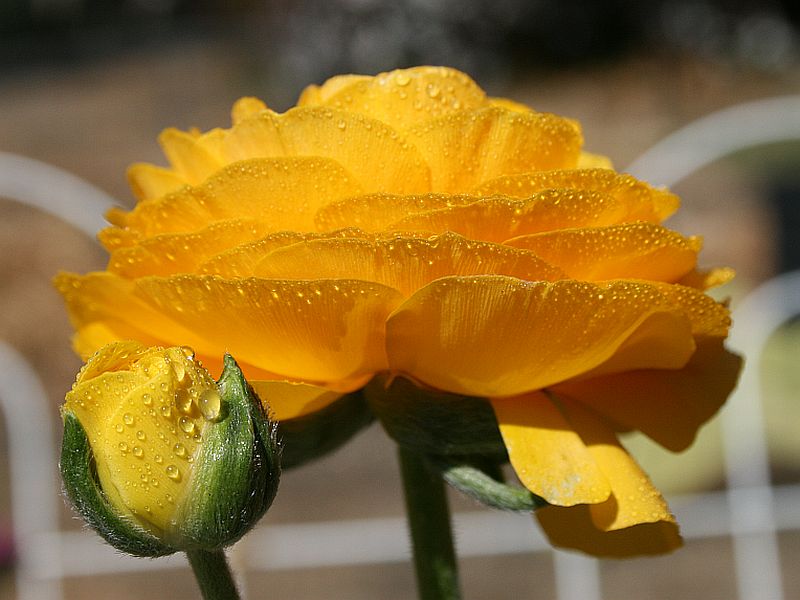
x=549 y=458
x=466 y=148
x=644 y=203
x=406 y=97
x=635 y=520
x=245 y=108
x=149 y=181
x=290 y=400
x=588 y=160
x=191 y=161
x=377 y=156
x=631 y=250
x=313 y=95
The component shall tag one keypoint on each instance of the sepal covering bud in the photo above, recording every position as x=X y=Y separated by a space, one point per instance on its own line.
x=159 y=458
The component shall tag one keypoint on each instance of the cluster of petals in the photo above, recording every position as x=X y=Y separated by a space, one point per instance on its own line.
x=407 y=223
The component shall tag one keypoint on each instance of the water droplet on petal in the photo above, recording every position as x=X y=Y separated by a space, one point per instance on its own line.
x=209 y=404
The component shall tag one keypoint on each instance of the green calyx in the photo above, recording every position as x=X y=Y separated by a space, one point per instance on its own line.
x=232 y=481
x=457 y=435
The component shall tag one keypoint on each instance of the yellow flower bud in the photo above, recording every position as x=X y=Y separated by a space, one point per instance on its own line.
x=179 y=460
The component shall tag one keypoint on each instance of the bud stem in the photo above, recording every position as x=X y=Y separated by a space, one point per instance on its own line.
x=429 y=523
x=213 y=574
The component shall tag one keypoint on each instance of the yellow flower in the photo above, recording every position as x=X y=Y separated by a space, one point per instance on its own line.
x=409 y=224
x=182 y=462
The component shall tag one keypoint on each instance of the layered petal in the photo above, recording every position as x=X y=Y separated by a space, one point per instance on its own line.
x=569 y=328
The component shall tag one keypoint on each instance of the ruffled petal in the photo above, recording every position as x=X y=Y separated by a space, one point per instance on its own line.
x=377 y=156
x=314 y=95
x=149 y=181
x=289 y=400
x=628 y=251
x=668 y=406
x=401 y=262
x=467 y=148
x=189 y=157
x=314 y=331
x=405 y=97
x=549 y=458
x=569 y=328
x=499 y=218
x=644 y=202
x=282 y=192
x=246 y=107
x=634 y=520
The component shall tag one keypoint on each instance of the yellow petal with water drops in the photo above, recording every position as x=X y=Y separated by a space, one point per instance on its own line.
x=708 y=317
x=634 y=520
x=169 y=254
x=570 y=327
x=149 y=181
x=667 y=406
x=245 y=108
x=188 y=157
x=284 y=193
x=645 y=202
x=376 y=212
x=631 y=250
x=144 y=427
x=318 y=94
x=376 y=155
x=309 y=330
x=467 y=148
x=110 y=358
x=405 y=97
x=401 y=262
x=498 y=218
x=511 y=105
x=707 y=279
x=241 y=261
x=102 y=305
x=290 y=400
x=549 y=458
x=587 y=160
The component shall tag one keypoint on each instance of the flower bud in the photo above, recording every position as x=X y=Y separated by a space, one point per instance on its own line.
x=158 y=457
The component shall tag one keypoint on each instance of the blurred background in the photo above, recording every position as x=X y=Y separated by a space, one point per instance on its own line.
x=86 y=85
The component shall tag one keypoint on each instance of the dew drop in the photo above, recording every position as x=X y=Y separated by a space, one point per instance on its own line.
x=209 y=404
x=402 y=79
x=166 y=410
x=183 y=400
x=119 y=428
x=140 y=435
x=158 y=459
x=179 y=449
x=186 y=424
x=128 y=419
x=123 y=446
x=147 y=399
x=173 y=472
x=138 y=452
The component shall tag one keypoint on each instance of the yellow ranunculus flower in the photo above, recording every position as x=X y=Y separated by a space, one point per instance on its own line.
x=182 y=462
x=407 y=223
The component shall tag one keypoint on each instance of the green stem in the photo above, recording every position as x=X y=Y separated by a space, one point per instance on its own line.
x=213 y=574
x=429 y=522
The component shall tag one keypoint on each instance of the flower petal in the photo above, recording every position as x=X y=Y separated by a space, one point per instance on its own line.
x=466 y=148
x=289 y=400
x=401 y=262
x=549 y=458
x=667 y=406
x=645 y=202
x=246 y=107
x=498 y=218
x=169 y=254
x=405 y=97
x=373 y=152
x=189 y=157
x=282 y=192
x=149 y=181
x=314 y=95
x=569 y=328
x=631 y=250
x=635 y=520
x=309 y=330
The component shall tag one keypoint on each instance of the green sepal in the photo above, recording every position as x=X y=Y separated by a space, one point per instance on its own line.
x=314 y=435
x=83 y=489
x=236 y=472
x=476 y=482
x=435 y=423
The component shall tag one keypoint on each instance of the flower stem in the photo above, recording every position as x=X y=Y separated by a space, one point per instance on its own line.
x=213 y=574
x=429 y=522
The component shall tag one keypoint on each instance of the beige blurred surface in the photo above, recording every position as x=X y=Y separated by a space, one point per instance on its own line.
x=97 y=118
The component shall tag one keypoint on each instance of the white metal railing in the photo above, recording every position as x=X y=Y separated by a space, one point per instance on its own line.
x=750 y=510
